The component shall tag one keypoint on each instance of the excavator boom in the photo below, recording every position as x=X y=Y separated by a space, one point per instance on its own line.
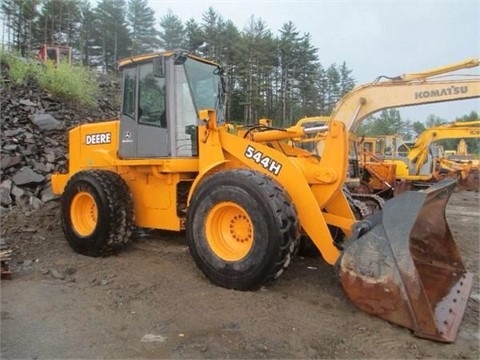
x=425 y=87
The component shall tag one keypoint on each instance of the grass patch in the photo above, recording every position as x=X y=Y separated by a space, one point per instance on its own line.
x=75 y=84
x=20 y=70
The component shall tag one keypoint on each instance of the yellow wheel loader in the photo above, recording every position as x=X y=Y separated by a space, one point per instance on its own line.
x=244 y=196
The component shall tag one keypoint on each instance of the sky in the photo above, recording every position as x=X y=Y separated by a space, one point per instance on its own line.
x=373 y=37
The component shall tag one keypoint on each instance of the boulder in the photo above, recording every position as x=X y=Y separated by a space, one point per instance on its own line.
x=27 y=176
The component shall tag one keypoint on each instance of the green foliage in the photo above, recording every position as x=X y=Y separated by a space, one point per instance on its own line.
x=418 y=127
x=433 y=121
x=473 y=116
x=193 y=34
x=58 y=22
x=473 y=144
x=73 y=83
x=19 y=19
x=141 y=21
x=113 y=35
x=172 y=33
x=20 y=70
x=389 y=122
x=277 y=76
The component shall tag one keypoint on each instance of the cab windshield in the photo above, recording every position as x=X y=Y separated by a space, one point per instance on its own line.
x=206 y=86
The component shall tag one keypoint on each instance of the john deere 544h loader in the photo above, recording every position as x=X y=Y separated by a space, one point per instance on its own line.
x=244 y=196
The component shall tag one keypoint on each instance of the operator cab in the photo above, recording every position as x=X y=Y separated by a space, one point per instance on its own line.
x=162 y=96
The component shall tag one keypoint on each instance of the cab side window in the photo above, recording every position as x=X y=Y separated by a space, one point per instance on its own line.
x=129 y=86
x=186 y=124
x=151 y=98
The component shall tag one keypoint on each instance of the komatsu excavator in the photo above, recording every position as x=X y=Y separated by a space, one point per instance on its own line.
x=244 y=196
x=420 y=162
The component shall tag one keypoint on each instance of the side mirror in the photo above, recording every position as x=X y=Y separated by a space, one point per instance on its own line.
x=159 y=67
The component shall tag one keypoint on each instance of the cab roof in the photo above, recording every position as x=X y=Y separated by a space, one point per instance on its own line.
x=144 y=57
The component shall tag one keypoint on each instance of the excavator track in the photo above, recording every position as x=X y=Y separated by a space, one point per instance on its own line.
x=371 y=203
x=364 y=205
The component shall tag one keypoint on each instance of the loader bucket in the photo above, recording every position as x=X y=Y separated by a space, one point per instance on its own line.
x=406 y=268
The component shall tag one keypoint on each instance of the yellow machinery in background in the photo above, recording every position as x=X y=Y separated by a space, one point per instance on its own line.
x=420 y=162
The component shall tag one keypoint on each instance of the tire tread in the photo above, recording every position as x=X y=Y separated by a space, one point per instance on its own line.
x=120 y=212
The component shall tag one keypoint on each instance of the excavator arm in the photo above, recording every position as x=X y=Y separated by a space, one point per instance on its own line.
x=429 y=86
x=419 y=152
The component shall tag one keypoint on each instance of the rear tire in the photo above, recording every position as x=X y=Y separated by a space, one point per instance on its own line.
x=242 y=229
x=97 y=213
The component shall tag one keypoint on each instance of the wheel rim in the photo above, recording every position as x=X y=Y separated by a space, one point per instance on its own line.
x=84 y=214
x=229 y=231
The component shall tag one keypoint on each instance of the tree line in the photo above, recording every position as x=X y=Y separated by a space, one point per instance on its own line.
x=274 y=76
x=277 y=76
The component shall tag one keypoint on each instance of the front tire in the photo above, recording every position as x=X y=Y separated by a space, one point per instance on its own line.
x=97 y=213
x=242 y=229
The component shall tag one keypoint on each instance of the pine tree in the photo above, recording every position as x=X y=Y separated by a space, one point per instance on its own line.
x=334 y=91
x=172 y=35
x=194 y=36
x=307 y=67
x=389 y=122
x=212 y=27
x=347 y=82
x=418 y=127
x=321 y=83
x=19 y=17
x=87 y=35
x=256 y=59
x=59 y=22
x=141 y=21
x=287 y=53
x=113 y=36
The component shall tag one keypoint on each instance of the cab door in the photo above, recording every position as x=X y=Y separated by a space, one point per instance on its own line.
x=143 y=121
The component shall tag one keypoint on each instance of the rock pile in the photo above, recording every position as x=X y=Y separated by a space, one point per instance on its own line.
x=34 y=127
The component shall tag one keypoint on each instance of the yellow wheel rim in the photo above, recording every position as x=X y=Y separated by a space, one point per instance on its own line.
x=229 y=231
x=84 y=214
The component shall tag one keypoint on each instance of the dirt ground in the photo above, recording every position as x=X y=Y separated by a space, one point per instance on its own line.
x=151 y=301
